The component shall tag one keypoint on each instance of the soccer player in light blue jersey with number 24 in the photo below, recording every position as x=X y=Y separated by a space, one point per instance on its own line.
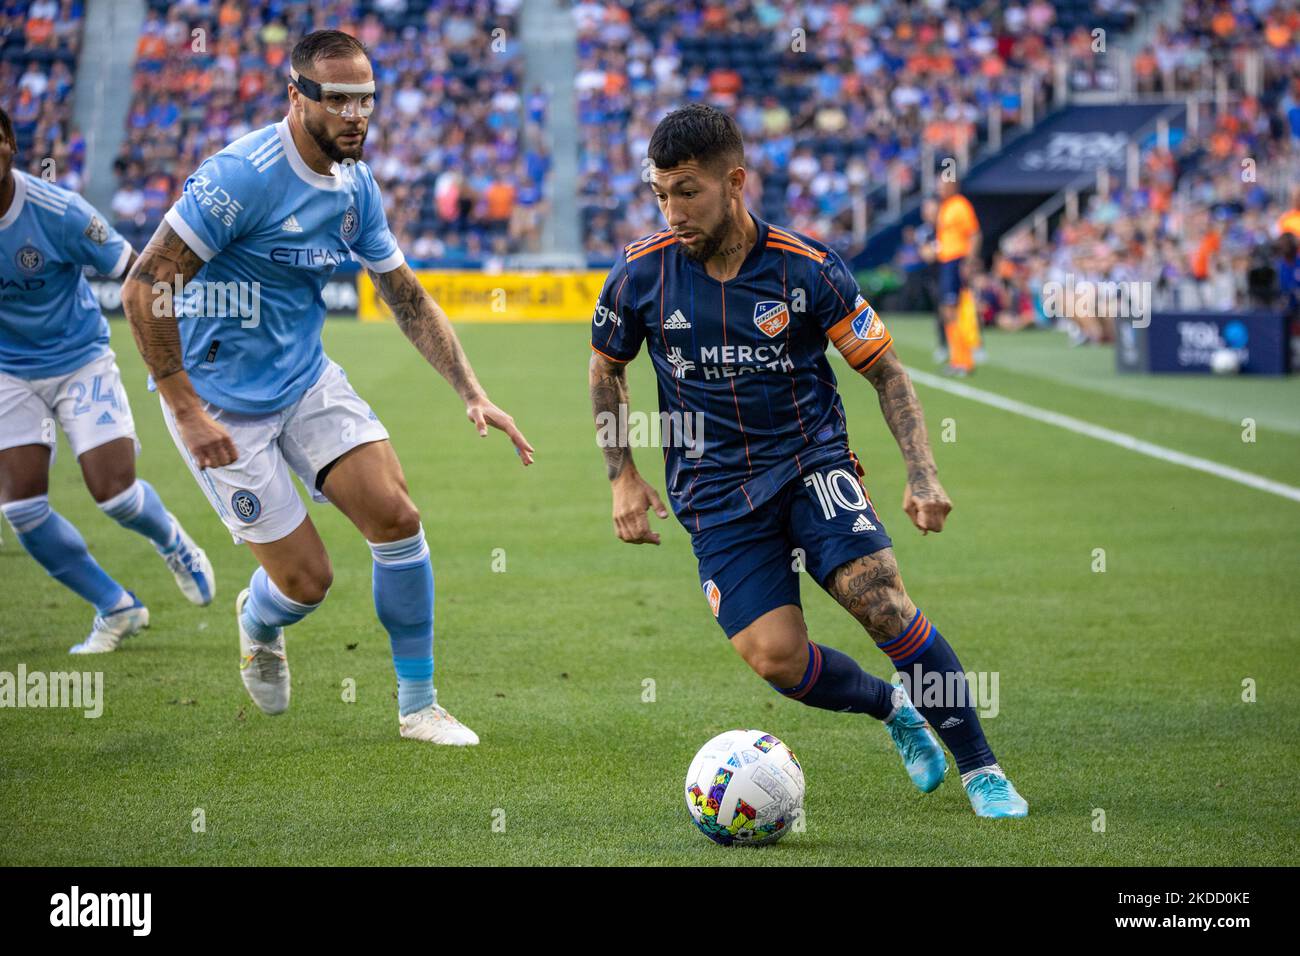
x=251 y=399
x=56 y=366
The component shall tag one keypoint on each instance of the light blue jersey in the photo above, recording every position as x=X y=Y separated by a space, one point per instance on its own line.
x=271 y=232
x=50 y=321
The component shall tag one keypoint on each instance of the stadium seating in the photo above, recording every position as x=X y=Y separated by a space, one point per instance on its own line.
x=1205 y=223
x=39 y=42
x=456 y=145
x=860 y=89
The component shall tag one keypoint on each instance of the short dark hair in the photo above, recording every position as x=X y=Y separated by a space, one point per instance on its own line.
x=696 y=132
x=325 y=45
x=7 y=128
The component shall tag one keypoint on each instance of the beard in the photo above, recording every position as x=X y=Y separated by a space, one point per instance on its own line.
x=712 y=241
x=330 y=147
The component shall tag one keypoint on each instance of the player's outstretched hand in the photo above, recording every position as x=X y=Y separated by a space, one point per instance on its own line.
x=209 y=443
x=633 y=496
x=927 y=504
x=483 y=413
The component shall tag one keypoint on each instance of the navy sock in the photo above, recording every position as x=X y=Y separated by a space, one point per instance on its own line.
x=936 y=682
x=834 y=681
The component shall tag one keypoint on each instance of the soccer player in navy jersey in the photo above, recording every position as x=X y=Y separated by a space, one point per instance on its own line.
x=736 y=314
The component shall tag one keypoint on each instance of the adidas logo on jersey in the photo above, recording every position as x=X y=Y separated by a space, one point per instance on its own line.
x=105 y=419
x=862 y=524
x=290 y=225
x=676 y=321
x=951 y=722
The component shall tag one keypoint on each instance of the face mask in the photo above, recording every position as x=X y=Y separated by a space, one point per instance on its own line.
x=341 y=99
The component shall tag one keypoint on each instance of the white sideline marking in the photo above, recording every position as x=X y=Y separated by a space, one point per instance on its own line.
x=1081 y=427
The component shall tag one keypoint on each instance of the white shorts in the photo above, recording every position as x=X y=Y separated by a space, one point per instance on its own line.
x=89 y=403
x=255 y=497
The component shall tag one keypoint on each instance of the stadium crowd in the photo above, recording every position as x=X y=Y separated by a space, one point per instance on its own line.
x=39 y=43
x=1215 y=220
x=834 y=99
x=457 y=145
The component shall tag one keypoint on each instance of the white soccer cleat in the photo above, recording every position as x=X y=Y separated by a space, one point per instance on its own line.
x=263 y=666
x=435 y=725
x=191 y=568
x=110 y=630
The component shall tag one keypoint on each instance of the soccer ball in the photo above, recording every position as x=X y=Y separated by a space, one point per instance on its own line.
x=744 y=786
x=1225 y=362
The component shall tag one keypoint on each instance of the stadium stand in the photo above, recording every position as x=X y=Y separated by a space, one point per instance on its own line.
x=39 y=43
x=1215 y=222
x=458 y=146
x=833 y=99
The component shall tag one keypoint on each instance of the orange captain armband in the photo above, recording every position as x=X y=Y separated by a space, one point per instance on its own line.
x=861 y=337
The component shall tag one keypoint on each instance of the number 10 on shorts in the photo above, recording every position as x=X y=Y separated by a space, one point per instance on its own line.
x=839 y=486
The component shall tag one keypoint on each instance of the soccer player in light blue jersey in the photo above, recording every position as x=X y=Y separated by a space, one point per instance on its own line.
x=56 y=366
x=251 y=398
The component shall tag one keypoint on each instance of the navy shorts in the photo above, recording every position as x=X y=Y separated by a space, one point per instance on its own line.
x=817 y=522
x=950 y=282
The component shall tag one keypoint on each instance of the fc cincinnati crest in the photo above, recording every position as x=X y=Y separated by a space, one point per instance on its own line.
x=29 y=259
x=772 y=317
x=713 y=595
x=351 y=223
x=867 y=326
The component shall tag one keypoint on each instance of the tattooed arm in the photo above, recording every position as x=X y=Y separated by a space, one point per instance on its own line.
x=423 y=322
x=633 y=495
x=166 y=264
x=924 y=499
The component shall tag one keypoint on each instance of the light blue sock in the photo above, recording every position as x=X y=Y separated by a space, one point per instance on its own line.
x=140 y=509
x=268 y=609
x=403 y=582
x=59 y=548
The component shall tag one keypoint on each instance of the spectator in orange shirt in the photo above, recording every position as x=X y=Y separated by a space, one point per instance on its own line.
x=957 y=247
x=499 y=199
x=39 y=32
x=1289 y=221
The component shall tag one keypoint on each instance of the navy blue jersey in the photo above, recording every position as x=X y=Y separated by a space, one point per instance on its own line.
x=744 y=381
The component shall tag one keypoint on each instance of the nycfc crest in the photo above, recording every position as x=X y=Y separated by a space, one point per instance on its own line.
x=246 y=506
x=29 y=259
x=351 y=224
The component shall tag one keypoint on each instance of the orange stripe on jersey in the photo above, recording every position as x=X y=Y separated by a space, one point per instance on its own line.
x=648 y=249
x=861 y=351
x=794 y=240
x=835 y=290
x=618 y=299
x=633 y=246
x=610 y=357
x=788 y=248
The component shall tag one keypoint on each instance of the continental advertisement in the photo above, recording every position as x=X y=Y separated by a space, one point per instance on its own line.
x=499 y=297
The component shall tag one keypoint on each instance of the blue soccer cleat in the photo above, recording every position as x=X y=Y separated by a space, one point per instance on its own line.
x=191 y=568
x=921 y=753
x=992 y=795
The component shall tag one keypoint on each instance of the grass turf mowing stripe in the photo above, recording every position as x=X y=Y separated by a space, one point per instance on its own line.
x=1101 y=433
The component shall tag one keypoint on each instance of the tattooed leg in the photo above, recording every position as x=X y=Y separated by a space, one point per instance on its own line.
x=871 y=589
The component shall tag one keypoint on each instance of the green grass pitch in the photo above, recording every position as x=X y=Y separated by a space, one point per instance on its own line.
x=1120 y=692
